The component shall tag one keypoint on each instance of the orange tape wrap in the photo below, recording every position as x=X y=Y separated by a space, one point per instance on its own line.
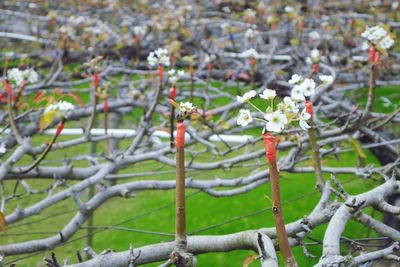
x=60 y=127
x=180 y=135
x=8 y=88
x=172 y=93
x=96 y=79
x=315 y=67
x=270 y=147
x=377 y=57
x=105 y=105
x=160 y=72
x=309 y=108
x=371 y=54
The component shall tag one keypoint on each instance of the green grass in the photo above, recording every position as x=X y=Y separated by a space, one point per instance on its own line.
x=154 y=211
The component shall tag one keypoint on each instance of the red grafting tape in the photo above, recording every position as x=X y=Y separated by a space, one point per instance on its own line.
x=160 y=72
x=252 y=61
x=172 y=92
x=105 y=105
x=8 y=88
x=96 y=79
x=180 y=135
x=315 y=67
x=60 y=127
x=377 y=57
x=371 y=54
x=270 y=147
x=309 y=108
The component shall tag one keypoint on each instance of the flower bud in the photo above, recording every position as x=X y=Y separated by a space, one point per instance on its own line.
x=180 y=135
x=270 y=147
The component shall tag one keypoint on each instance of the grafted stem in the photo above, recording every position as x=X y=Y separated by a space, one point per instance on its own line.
x=314 y=147
x=270 y=150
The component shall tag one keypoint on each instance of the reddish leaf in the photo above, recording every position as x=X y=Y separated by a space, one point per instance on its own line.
x=77 y=99
x=3 y=222
x=57 y=91
x=39 y=96
x=248 y=260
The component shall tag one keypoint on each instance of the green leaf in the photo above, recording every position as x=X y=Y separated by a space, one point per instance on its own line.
x=357 y=147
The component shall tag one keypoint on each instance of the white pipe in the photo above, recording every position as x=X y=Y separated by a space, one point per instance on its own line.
x=130 y=132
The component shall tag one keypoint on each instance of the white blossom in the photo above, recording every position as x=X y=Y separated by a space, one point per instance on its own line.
x=314 y=35
x=304 y=117
x=209 y=58
x=288 y=9
x=314 y=55
x=326 y=78
x=297 y=93
x=63 y=108
x=386 y=43
x=250 y=53
x=174 y=75
x=158 y=57
x=16 y=76
x=139 y=30
x=244 y=117
x=246 y=97
x=31 y=75
x=295 y=79
x=185 y=107
x=3 y=148
x=276 y=121
x=268 y=94
x=289 y=105
x=308 y=87
x=250 y=34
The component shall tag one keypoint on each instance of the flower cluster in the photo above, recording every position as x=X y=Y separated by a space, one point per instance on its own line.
x=303 y=88
x=314 y=57
x=251 y=53
x=139 y=30
x=186 y=107
x=174 y=75
x=378 y=36
x=61 y=108
x=278 y=117
x=158 y=57
x=209 y=58
x=18 y=77
x=251 y=34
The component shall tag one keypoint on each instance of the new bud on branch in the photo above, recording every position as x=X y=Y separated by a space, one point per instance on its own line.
x=180 y=135
x=270 y=147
